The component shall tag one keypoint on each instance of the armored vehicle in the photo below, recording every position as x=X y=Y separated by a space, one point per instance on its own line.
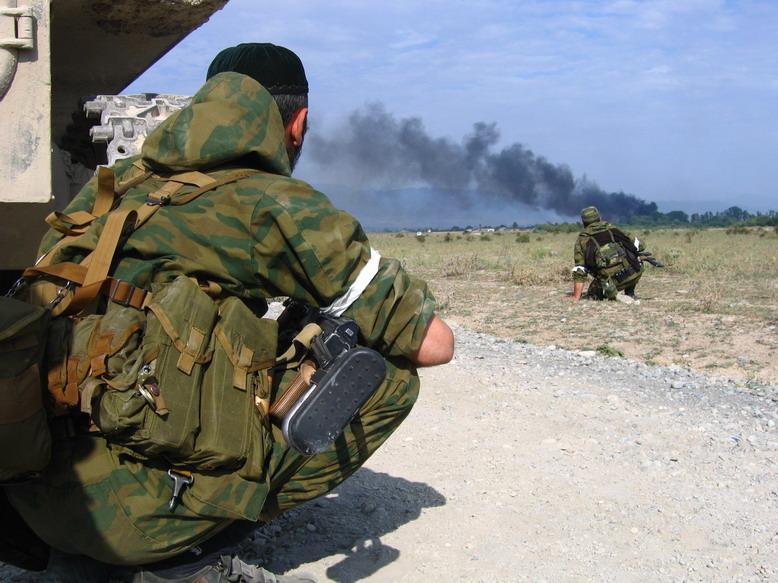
x=54 y=56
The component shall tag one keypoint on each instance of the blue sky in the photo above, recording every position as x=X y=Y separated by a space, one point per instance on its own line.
x=668 y=100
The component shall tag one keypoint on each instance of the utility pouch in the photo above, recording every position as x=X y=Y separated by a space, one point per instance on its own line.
x=25 y=439
x=235 y=392
x=610 y=255
x=187 y=382
x=149 y=397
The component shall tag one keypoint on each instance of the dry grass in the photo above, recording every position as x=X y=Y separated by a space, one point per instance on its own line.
x=715 y=306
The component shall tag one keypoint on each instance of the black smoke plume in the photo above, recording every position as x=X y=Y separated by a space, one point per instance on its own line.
x=377 y=150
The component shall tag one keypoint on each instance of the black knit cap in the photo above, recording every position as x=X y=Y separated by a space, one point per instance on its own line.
x=277 y=68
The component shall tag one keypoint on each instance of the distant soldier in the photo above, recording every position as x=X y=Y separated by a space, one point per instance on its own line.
x=609 y=255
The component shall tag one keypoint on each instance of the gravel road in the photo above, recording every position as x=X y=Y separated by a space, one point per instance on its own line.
x=522 y=463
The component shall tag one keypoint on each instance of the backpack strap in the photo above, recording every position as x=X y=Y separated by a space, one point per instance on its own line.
x=91 y=275
x=76 y=224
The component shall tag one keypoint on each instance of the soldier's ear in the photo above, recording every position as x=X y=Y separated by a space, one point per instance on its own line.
x=295 y=131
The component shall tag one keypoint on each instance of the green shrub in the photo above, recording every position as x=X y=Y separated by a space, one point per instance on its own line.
x=607 y=350
x=522 y=238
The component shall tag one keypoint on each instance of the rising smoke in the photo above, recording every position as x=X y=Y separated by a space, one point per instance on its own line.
x=378 y=151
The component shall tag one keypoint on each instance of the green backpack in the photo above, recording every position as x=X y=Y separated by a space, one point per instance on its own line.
x=166 y=373
x=609 y=252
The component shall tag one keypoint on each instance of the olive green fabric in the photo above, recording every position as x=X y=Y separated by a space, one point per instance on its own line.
x=611 y=261
x=263 y=236
x=25 y=441
x=200 y=367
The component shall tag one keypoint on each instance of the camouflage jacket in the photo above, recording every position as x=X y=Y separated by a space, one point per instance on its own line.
x=263 y=236
x=581 y=268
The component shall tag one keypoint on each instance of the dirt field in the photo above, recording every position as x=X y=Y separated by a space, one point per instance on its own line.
x=714 y=307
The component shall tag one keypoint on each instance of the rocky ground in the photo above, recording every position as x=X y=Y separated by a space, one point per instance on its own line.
x=522 y=463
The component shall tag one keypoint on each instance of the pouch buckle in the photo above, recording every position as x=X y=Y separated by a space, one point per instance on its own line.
x=115 y=292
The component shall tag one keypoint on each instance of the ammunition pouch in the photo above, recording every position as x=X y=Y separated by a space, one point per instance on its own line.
x=185 y=380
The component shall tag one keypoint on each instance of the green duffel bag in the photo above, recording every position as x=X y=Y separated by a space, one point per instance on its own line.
x=25 y=439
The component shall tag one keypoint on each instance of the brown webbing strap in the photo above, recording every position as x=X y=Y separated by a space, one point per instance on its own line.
x=126 y=294
x=73 y=224
x=163 y=195
x=118 y=224
x=78 y=222
x=125 y=185
x=74 y=272
x=106 y=181
x=92 y=273
x=190 y=196
x=195 y=178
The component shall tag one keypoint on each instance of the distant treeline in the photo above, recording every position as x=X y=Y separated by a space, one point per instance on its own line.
x=732 y=217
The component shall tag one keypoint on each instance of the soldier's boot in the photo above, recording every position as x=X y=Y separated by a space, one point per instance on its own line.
x=228 y=569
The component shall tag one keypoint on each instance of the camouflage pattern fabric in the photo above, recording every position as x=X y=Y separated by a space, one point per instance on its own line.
x=263 y=236
x=605 y=285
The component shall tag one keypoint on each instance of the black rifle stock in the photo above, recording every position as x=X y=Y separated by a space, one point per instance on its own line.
x=649 y=258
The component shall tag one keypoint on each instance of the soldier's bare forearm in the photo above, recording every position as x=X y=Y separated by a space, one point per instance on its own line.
x=577 y=290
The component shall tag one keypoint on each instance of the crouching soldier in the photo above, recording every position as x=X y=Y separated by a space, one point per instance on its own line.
x=161 y=374
x=607 y=254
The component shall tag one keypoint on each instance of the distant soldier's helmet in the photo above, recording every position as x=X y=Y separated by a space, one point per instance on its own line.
x=278 y=69
x=590 y=215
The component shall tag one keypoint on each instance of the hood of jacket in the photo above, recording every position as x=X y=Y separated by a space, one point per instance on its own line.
x=231 y=120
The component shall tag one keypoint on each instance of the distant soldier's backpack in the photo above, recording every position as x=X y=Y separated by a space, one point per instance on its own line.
x=610 y=252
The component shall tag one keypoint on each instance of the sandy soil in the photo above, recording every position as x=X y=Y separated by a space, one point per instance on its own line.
x=522 y=463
